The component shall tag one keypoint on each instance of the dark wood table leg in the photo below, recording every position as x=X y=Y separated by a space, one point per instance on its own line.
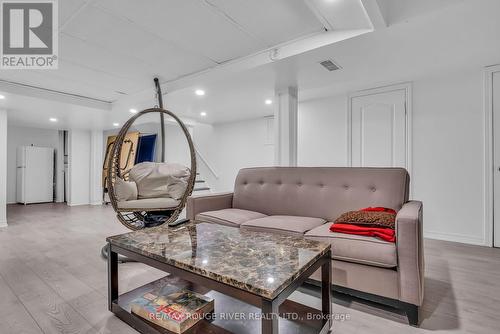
x=326 y=289
x=112 y=277
x=270 y=317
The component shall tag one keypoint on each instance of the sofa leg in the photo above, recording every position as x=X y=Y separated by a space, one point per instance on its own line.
x=412 y=312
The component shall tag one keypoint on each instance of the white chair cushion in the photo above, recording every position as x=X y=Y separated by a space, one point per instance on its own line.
x=149 y=203
x=124 y=190
x=153 y=179
x=176 y=187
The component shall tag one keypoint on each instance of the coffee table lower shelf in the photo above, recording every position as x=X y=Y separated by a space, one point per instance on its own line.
x=308 y=320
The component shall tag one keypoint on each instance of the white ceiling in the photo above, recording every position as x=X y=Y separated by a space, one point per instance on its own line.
x=111 y=48
x=430 y=43
x=126 y=44
x=396 y=11
x=35 y=112
x=461 y=35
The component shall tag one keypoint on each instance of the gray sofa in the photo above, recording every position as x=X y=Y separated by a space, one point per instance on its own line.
x=305 y=200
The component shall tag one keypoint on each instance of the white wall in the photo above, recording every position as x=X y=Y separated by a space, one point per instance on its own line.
x=239 y=145
x=322 y=132
x=79 y=142
x=448 y=148
x=96 y=162
x=3 y=168
x=448 y=166
x=22 y=136
x=176 y=145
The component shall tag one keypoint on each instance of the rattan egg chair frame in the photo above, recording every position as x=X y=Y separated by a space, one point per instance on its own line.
x=134 y=218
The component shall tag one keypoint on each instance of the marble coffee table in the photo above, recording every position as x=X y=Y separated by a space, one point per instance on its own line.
x=245 y=271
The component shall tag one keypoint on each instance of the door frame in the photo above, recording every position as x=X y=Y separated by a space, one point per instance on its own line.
x=59 y=169
x=489 y=191
x=408 y=88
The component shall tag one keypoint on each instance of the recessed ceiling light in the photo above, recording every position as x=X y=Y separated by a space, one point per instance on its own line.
x=133 y=111
x=199 y=92
x=2 y=97
x=52 y=119
x=268 y=101
x=203 y=113
x=116 y=124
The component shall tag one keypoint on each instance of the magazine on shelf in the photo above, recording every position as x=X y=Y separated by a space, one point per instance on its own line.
x=173 y=308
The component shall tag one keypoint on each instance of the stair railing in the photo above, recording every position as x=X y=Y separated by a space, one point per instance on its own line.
x=205 y=161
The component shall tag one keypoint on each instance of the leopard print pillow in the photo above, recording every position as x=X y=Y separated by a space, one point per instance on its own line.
x=378 y=219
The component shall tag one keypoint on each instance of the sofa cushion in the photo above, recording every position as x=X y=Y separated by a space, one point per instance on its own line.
x=228 y=217
x=149 y=203
x=283 y=224
x=356 y=248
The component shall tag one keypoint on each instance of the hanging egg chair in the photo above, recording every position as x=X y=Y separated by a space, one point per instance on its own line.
x=150 y=211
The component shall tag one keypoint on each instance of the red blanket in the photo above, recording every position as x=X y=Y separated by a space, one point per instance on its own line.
x=386 y=234
x=379 y=209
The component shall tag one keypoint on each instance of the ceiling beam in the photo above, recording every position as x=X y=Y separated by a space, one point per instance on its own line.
x=374 y=13
x=271 y=55
x=53 y=95
x=219 y=72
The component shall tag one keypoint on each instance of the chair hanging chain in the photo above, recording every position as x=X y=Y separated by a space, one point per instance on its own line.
x=162 y=119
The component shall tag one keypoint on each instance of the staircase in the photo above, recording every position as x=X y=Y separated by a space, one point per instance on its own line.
x=201 y=187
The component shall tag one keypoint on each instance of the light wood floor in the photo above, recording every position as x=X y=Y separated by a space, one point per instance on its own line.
x=52 y=280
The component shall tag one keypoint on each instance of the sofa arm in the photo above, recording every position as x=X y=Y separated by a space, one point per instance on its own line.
x=197 y=204
x=410 y=253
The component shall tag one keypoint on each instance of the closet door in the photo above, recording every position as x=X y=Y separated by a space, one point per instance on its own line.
x=378 y=129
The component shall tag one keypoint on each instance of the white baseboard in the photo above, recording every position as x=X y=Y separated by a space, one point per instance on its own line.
x=96 y=203
x=465 y=239
x=3 y=223
x=77 y=204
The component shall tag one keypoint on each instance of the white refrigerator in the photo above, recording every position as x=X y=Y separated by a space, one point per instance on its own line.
x=35 y=174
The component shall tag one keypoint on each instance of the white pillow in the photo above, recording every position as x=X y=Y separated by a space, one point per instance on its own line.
x=153 y=179
x=124 y=190
x=176 y=187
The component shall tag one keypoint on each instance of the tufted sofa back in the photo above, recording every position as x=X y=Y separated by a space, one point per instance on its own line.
x=323 y=192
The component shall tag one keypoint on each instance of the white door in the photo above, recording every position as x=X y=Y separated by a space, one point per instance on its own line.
x=496 y=157
x=379 y=129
